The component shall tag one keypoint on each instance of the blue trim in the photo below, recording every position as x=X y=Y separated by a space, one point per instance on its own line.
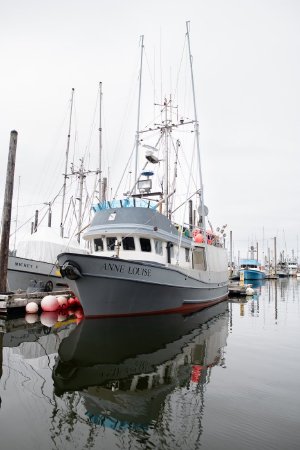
x=124 y=203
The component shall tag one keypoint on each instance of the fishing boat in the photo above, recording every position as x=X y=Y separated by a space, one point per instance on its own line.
x=250 y=268
x=147 y=256
x=34 y=266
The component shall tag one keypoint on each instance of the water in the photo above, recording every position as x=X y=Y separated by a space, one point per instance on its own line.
x=227 y=377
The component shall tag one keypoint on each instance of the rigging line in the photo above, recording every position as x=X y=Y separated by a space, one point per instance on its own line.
x=180 y=67
x=129 y=102
x=148 y=65
x=32 y=217
x=129 y=160
x=26 y=222
x=186 y=162
x=42 y=187
x=185 y=204
x=93 y=125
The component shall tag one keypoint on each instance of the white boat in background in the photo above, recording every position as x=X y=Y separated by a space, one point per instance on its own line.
x=35 y=264
x=251 y=269
x=292 y=268
x=145 y=261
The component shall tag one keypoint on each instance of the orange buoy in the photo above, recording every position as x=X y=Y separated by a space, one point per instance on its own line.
x=195 y=232
x=199 y=238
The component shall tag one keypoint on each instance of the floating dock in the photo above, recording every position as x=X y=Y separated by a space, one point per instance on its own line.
x=12 y=303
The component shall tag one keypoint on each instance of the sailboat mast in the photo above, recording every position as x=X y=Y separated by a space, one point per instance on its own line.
x=66 y=168
x=166 y=162
x=196 y=133
x=137 y=136
x=100 y=143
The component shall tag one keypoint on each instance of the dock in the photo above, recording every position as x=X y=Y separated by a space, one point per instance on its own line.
x=236 y=289
x=14 y=302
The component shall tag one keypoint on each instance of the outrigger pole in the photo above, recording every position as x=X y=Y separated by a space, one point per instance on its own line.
x=66 y=169
x=137 y=136
x=197 y=135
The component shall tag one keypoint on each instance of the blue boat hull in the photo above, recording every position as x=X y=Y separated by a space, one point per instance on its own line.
x=253 y=275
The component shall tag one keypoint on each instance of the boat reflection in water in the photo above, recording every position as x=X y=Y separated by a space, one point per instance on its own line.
x=125 y=368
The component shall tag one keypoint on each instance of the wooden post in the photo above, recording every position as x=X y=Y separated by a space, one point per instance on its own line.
x=7 y=205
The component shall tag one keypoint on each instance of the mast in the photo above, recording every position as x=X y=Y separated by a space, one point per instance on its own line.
x=81 y=176
x=100 y=143
x=137 y=136
x=197 y=134
x=66 y=168
x=166 y=163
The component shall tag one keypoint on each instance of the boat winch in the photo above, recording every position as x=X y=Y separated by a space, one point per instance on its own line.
x=71 y=270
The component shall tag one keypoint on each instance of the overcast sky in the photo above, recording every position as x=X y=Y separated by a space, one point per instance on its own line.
x=247 y=76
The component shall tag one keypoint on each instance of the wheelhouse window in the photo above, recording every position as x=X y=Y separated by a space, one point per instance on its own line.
x=128 y=243
x=199 y=262
x=110 y=242
x=145 y=245
x=158 y=247
x=98 y=245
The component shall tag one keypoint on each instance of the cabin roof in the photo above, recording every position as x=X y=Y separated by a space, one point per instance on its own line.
x=250 y=262
x=134 y=220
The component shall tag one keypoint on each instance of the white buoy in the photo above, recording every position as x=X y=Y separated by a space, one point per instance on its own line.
x=49 y=318
x=249 y=291
x=49 y=303
x=31 y=318
x=31 y=308
x=62 y=301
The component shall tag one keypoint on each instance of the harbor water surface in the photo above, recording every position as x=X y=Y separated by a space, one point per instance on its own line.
x=226 y=377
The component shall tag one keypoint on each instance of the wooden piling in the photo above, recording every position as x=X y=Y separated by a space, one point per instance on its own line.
x=7 y=206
